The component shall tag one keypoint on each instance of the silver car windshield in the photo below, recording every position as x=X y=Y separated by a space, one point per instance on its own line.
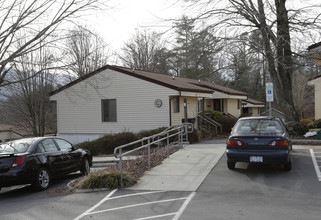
x=14 y=147
x=258 y=127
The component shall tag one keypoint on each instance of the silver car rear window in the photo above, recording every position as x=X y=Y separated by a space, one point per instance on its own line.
x=258 y=127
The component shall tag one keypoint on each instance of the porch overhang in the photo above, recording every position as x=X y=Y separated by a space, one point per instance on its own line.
x=221 y=95
x=196 y=94
x=249 y=105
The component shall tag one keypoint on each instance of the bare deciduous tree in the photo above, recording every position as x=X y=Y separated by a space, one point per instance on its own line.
x=275 y=22
x=145 y=51
x=27 y=101
x=85 y=51
x=28 y=21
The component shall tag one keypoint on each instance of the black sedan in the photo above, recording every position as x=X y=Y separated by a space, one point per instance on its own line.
x=259 y=140
x=37 y=160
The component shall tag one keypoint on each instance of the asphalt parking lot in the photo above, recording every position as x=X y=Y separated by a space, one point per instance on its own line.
x=251 y=191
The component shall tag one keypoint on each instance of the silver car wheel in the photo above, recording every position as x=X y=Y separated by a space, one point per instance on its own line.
x=44 y=178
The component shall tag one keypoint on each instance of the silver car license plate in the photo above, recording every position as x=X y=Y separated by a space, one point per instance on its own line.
x=256 y=159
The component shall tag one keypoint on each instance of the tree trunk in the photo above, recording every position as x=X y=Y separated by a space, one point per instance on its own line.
x=280 y=64
x=284 y=61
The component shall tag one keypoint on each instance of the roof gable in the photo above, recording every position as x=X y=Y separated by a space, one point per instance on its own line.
x=173 y=82
x=253 y=101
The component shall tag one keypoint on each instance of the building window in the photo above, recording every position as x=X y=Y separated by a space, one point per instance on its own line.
x=108 y=109
x=176 y=104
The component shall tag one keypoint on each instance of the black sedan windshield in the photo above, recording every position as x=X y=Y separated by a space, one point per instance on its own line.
x=258 y=127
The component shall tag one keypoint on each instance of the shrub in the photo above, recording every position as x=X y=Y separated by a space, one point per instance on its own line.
x=317 y=123
x=147 y=133
x=107 y=143
x=306 y=121
x=227 y=123
x=215 y=115
x=109 y=180
x=311 y=125
x=297 y=128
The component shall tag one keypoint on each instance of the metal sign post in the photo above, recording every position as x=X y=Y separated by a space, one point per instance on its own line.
x=185 y=111
x=269 y=95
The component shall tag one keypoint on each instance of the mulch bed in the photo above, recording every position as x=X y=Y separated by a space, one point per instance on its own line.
x=136 y=168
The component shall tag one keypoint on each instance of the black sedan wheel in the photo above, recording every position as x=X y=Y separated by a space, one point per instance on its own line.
x=43 y=179
x=85 y=169
x=288 y=166
x=231 y=165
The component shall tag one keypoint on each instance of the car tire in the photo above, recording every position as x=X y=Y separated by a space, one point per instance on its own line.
x=231 y=165
x=85 y=167
x=287 y=166
x=43 y=179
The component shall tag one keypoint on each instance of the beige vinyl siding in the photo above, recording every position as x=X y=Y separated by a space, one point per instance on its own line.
x=79 y=106
x=254 y=111
x=209 y=104
x=231 y=107
x=191 y=109
x=317 y=96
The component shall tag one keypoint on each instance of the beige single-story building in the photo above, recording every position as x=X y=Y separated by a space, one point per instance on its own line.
x=315 y=52
x=252 y=107
x=114 y=99
x=316 y=83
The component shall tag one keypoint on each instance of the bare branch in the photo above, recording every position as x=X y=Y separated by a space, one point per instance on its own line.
x=34 y=20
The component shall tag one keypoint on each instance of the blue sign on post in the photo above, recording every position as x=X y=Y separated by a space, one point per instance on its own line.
x=269 y=92
x=269 y=95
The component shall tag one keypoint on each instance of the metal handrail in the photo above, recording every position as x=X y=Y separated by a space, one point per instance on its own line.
x=229 y=115
x=180 y=131
x=211 y=122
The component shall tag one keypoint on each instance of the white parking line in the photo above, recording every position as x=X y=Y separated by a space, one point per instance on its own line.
x=95 y=206
x=108 y=198
x=316 y=165
x=136 y=205
x=136 y=194
x=181 y=210
x=156 y=216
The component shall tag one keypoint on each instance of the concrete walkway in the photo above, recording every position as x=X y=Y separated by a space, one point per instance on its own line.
x=184 y=170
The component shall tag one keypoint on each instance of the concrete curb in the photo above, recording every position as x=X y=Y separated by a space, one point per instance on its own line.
x=305 y=142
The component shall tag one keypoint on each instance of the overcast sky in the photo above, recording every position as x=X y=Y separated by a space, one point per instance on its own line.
x=118 y=24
